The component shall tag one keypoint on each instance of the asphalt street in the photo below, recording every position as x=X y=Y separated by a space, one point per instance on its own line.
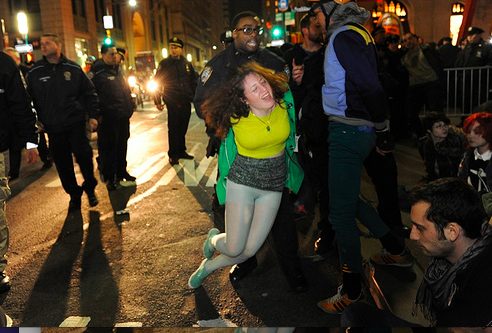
x=97 y=268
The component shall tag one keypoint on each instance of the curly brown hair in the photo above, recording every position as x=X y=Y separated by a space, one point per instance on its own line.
x=228 y=100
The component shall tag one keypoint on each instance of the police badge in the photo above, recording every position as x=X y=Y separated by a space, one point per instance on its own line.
x=67 y=75
x=207 y=71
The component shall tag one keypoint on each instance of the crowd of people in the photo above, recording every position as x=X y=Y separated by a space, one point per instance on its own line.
x=290 y=130
x=349 y=88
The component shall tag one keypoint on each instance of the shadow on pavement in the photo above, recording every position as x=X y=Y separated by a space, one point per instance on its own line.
x=119 y=199
x=205 y=310
x=99 y=295
x=52 y=288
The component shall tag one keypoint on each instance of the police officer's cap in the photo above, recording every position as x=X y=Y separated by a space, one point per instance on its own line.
x=176 y=42
x=474 y=31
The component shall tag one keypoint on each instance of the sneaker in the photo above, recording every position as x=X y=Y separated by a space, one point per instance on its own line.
x=196 y=279
x=405 y=259
x=338 y=302
x=208 y=248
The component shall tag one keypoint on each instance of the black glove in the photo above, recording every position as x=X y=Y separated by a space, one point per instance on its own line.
x=213 y=146
x=384 y=141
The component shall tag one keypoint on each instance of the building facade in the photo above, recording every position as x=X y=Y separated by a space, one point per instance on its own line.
x=143 y=30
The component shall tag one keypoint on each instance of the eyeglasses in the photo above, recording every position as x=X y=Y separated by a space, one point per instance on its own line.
x=250 y=30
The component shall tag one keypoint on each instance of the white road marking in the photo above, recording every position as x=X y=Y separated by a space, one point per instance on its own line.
x=212 y=178
x=74 y=321
x=129 y=324
x=218 y=322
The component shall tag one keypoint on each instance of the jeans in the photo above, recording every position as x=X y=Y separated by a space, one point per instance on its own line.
x=348 y=148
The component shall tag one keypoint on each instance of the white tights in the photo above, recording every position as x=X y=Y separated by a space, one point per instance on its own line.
x=249 y=216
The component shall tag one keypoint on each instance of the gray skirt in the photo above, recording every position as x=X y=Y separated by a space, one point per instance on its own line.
x=265 y=174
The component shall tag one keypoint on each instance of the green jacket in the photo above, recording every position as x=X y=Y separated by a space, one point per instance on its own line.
x=228 y=153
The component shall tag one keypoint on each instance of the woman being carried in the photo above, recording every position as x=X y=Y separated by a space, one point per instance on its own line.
x=254 y=116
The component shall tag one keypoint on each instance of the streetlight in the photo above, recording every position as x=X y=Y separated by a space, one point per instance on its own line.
x=22 y=24
x=132 y=3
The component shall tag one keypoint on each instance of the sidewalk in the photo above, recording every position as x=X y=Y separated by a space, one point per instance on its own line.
x=398 y=286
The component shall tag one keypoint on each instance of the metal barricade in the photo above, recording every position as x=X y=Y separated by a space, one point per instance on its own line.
x=467 y=88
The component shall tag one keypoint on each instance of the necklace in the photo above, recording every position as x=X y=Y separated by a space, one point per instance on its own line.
x=267 y=123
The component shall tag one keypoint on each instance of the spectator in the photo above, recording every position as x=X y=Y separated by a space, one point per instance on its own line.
x=424 y=68
x=476 y=167
x=448 y=52
x=16 y=118
x=64 y=98
x=177 y=81
x=449 y=224
x=442 y=148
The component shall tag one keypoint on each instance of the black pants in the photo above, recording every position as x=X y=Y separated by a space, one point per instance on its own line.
x=112 y=142
x=428 y=94
x=384 y=175
x=178 y=118
x=316 y=177
x=62 y=145
x=14 y=162
x=44 y=153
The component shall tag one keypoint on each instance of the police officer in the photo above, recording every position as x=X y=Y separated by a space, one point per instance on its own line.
x=246 y=30
x=177 y=80
x=477 y=53
x=64 y=98
x=116 y=106
x=16 y=119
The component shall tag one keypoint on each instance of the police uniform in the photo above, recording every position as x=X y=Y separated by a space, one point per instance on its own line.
x=114 y=128
x=218 y=70
x=474 y=55
x=64 y=97
x=177 y=80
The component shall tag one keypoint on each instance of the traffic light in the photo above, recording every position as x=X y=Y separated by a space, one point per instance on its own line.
x=277 y=32
x=108 y=40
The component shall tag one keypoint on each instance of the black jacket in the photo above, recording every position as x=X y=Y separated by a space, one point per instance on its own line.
x=225 y=65
x=475 y=55
x=470 y=305
x=16 y=116
x=177 y=80
x=307 y=96
x=62 y=94
x=114 y=93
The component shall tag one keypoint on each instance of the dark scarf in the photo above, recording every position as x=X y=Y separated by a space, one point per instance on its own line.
x=438 y=286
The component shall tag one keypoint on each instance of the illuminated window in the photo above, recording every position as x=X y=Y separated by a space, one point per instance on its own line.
x=455 y=20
